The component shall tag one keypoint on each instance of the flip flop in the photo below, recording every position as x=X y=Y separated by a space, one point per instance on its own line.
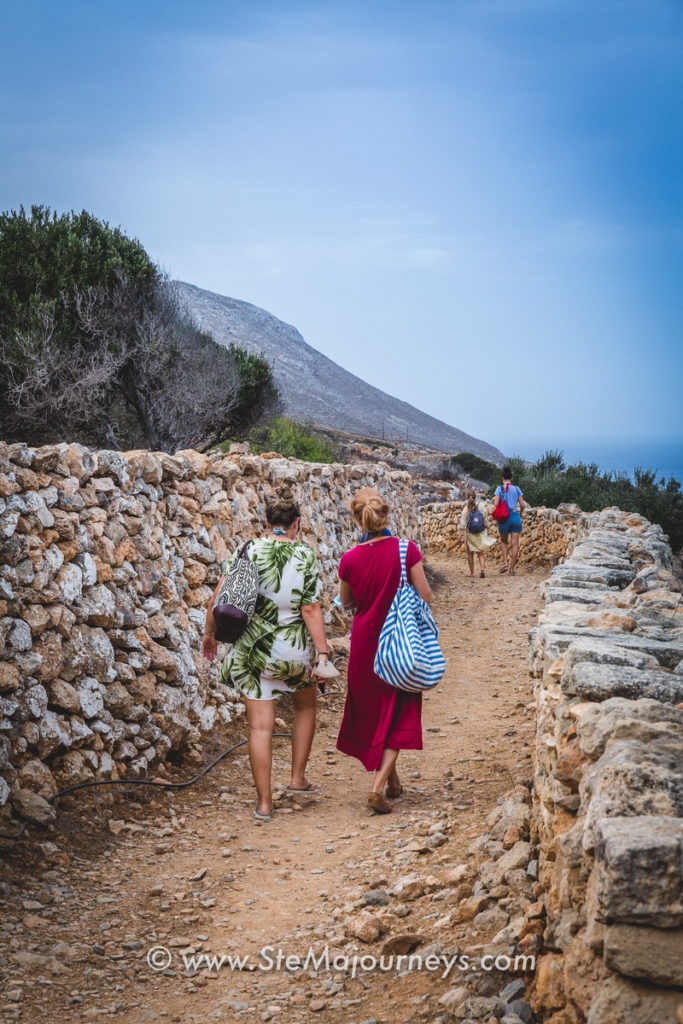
x=260 y=816
x=310 y=788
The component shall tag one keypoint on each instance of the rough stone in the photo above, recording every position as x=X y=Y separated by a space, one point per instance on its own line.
x=365 y=927
x=620 y=1001
x=600 y=682
x=617 y=718
x=650 y=953
x=32 y=806
x=629 y=891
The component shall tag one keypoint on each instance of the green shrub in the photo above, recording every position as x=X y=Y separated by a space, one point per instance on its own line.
x=292 y=440
x=95 y=345
x=473 y=465
x=551 y=482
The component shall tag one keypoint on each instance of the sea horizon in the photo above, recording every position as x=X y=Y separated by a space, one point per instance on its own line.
x=665 y=458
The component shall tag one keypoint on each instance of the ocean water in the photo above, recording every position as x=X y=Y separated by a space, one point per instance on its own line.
x=665 y=458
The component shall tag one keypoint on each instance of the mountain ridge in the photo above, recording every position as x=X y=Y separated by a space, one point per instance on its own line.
x=316 y=389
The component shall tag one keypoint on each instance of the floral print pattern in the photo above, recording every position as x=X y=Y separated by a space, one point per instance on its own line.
x=274 y=654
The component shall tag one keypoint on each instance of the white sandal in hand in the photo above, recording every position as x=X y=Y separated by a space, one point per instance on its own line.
x=324 y=669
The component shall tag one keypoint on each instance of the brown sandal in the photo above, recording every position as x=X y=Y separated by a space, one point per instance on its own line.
x=378 y=803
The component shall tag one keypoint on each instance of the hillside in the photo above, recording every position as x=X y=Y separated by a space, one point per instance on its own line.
x=315 y=388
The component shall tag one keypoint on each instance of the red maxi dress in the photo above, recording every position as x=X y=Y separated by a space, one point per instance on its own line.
x=376 y=715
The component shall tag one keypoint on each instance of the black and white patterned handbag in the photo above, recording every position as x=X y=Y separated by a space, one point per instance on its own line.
x=236 y=598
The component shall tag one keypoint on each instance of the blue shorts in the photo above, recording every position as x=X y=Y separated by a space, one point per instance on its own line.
x=513 y=524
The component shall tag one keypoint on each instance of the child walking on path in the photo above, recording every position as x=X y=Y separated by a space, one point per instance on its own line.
x=477 y=540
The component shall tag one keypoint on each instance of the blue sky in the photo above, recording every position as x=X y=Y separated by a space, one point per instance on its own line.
x=475 y=206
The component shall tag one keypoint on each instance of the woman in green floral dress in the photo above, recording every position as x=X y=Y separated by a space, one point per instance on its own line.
x=281 y=647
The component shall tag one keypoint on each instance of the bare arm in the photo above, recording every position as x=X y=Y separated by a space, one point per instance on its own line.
x=416 y=575
x=312 y=615
x=209 y=638
x=346 y=595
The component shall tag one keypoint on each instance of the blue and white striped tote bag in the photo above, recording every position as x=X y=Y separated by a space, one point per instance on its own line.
x=408 y=653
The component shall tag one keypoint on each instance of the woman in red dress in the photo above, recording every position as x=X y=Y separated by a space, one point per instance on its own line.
x=379 y=720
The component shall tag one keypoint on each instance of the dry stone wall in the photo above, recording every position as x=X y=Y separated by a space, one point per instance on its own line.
x=549 y=533
x=607 y=661
x=107 y=562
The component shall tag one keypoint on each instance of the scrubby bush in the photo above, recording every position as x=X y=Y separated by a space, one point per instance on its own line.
x=551 y=482
x=456 y=466
x=292 y=440
x=96 y=347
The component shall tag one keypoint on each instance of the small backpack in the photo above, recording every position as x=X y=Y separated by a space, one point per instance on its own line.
x=236 y=599
x=475 y=522
x=501 y=512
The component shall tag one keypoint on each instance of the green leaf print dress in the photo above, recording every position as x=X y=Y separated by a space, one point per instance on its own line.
x=274 y=654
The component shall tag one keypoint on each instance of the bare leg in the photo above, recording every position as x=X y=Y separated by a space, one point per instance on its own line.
x=388 y=765
x=506 y=555
x=514 y=550
x=480 y=556
x=470 y=560
x=303 y=730
x=394 y=789
x=261 y=717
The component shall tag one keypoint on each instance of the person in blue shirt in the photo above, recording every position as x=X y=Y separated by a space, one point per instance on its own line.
x=510 y=529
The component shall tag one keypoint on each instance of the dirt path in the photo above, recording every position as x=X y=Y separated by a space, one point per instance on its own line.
x=193 y=871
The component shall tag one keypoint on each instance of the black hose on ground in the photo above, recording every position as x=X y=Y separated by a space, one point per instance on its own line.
x=144 y=782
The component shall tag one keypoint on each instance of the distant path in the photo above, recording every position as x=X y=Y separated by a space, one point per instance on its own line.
x=194 y=869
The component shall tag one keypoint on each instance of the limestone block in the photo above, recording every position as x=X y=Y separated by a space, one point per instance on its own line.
x=32 y=702
x=601 y=652
x=493 y=874
x=617 y=718
x=10 y=677
x=32 y=806
x=365 y=927
x=113 y=465
x=600 y=682
x=97 y=606
x=570 y=572
x=88 y=567
x=37 y=618
x=79 y=462
x=34 y=505
x=49 y=646
x=620 y=1001
x=17 y=634
x=410 y=887
x=53 y=732
x=74 y=767
x=88 y=652
x=199 y=463
x=91 y=696
x=631 y=779
x=611 y=618
x=63 y=695
x=70 y=582
x=655 y=954
x=37 y=776
x=628 y=890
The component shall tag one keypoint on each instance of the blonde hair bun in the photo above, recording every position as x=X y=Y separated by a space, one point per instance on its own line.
x=370 y=509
